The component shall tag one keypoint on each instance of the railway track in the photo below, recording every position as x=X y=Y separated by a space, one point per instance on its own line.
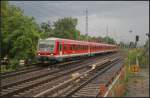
x=62 y=88
x=20 y=78
x=19 y=71
x=24 y=87
x=28 y=69
x=34 y=74
x=91 y=87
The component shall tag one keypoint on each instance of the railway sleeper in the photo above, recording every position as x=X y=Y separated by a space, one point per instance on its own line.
x=16 y=95
x=84 y=95
x=5 y=91
x=87 y=91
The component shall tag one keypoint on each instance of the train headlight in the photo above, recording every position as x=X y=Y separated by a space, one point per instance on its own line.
x=38 y=54
x=51 y=54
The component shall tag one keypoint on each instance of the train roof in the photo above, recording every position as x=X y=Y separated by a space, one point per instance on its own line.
x=54 y=38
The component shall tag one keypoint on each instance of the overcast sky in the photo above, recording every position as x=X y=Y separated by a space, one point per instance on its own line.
x=119 y=16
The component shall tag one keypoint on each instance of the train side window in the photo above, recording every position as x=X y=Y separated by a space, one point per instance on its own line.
x=78 y=47
x=83 y=47
x=70 y=47
x=75 y=47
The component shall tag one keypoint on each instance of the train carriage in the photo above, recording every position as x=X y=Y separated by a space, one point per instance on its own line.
x=58 y=49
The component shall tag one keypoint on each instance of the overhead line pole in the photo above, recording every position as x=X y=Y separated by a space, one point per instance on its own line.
x=107 y=33
x=86 y=24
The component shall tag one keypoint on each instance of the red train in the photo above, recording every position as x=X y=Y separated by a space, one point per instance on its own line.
x=58 y=49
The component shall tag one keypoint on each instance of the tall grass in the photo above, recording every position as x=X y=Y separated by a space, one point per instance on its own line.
x=139 y=54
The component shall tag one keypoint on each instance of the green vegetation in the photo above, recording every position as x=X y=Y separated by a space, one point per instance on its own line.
x=66 y=28
x=140 y=54
x=19 y=33
x=63 y=28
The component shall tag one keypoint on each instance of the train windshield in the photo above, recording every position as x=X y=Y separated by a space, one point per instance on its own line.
x=46 y=45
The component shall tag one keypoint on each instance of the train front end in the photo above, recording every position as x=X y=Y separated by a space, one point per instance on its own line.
x=46 y=51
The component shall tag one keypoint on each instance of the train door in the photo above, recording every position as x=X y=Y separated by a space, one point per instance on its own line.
x=60 y=48
x=89 y=50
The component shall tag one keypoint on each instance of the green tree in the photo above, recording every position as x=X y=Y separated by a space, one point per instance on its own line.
x=82 y=37
x=20 y=33
x=66 y=28
x=109 y=40
x=46 y=29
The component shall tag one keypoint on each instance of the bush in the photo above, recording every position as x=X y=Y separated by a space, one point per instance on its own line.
x=14 y=64
x=139 y=53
